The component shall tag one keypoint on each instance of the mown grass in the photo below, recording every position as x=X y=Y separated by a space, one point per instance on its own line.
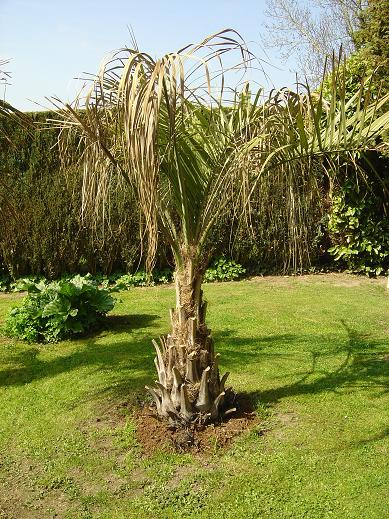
x=313 y=353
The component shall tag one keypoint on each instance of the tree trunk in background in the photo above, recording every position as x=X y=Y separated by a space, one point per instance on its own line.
x=189 y=388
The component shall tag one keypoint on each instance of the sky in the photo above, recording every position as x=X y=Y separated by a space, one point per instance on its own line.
x=51 y=42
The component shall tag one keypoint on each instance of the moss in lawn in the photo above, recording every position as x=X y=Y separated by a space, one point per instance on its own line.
x=312 y=354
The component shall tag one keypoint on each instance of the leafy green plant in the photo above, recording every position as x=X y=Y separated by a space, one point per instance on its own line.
x=163 y=276
x=360 y=233
x=4 y=283
x=127 y=281
x=23 y=284
x=57 y=310
x=141 y=279
x=223 y=270
x=19 y=284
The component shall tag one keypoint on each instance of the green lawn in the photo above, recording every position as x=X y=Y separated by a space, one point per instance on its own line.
x=314 y=354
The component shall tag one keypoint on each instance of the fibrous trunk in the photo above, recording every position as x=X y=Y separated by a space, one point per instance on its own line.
x=189 y=388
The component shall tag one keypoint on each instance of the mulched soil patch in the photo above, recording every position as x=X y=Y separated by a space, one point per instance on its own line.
x=154 y=434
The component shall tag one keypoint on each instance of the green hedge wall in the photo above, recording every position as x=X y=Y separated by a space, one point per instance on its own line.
x=41 y=231
x=40 y=227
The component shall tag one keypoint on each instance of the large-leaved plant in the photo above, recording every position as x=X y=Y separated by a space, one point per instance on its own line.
x=58 y=310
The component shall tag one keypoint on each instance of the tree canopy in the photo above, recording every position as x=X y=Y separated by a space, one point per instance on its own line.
x=312 y=31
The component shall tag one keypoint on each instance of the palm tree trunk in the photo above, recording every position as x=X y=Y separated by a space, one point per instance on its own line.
x=189 y=388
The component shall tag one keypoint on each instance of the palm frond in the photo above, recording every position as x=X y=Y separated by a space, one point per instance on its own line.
x=189 y=147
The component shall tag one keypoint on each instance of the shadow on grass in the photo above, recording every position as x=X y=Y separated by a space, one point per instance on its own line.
x=115 y=324
x=381 y=435
x=131 y=361
x=131 y=358
x=363 y=365
x=121 y=323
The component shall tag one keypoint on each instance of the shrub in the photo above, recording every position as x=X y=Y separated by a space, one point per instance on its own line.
x=223 y=270
x=220 y=270
x=58 y=310
x=40 y=227
x=4 y=283
x=127 y=281
x=22 y=284
x=141 y=279
x=360 y=233
x=163 y=276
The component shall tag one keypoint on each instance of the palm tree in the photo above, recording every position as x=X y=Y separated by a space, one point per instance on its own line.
x=189 y=147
